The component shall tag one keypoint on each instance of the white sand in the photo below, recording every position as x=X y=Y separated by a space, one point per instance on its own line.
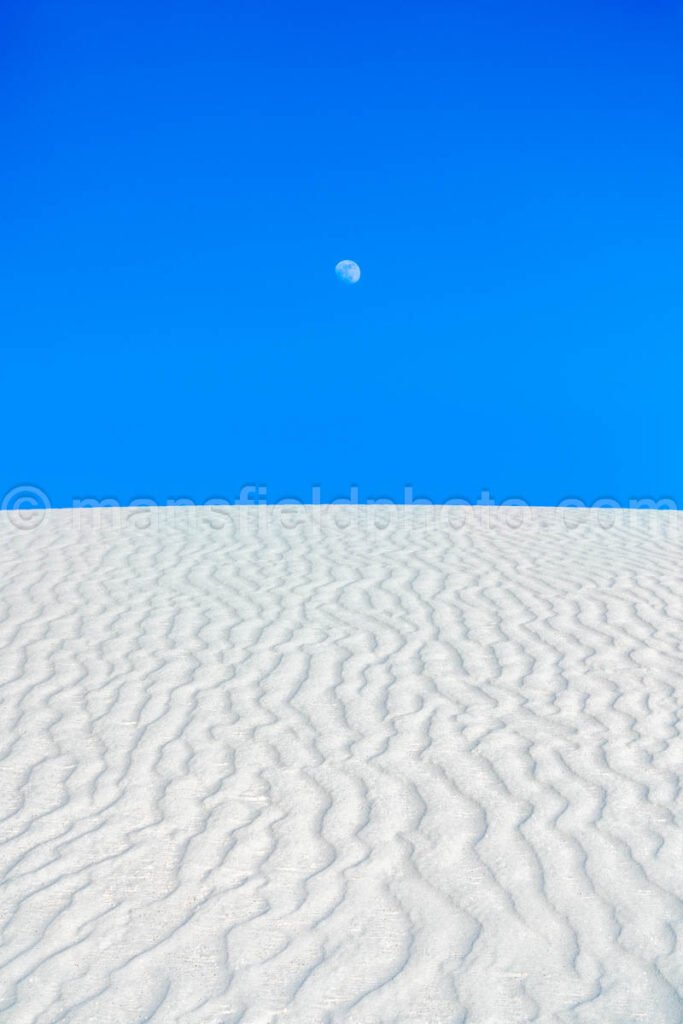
x=267 y=767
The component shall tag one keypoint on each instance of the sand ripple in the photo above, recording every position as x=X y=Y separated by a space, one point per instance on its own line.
x=260 y=768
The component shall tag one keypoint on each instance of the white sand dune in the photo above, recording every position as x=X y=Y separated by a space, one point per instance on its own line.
x=270 y=767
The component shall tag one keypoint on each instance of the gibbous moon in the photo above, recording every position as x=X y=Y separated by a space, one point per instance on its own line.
x=347 y=271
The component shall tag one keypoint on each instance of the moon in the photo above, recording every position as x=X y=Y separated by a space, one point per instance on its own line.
x=348 y=271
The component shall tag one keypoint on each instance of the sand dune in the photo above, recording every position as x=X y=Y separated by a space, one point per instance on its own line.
x=320 y=766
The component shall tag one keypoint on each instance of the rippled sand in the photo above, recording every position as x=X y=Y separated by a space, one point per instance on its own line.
x=319 y=766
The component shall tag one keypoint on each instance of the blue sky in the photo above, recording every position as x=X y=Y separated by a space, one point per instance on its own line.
x=180 y=179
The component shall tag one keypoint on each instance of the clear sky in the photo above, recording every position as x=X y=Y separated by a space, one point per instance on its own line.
x=179 y=180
